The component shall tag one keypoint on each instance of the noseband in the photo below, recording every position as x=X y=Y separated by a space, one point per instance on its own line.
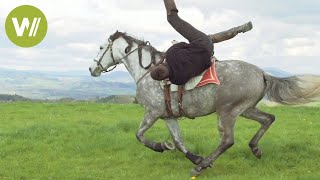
x=104 y=70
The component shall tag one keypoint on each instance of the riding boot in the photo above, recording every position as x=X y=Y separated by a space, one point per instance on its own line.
x=170 y=7
x=244 y=28
x=226 y=35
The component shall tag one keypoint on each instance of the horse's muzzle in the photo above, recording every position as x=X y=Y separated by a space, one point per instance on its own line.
x=95 y=72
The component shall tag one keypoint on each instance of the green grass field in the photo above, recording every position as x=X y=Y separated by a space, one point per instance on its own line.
x=97 y=141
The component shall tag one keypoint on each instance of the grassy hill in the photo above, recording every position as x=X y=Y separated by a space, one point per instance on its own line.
x=12 y=98
x=114 y=99
x=119 y=99
x=97 y=141
x=74 y=84
x=56 y=85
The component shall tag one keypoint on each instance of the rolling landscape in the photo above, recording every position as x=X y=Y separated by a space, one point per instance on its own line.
x=75 y=84
x=56 y=85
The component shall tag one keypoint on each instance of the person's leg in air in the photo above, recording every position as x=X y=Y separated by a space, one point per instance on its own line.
x=185 y=29
x=231 y=33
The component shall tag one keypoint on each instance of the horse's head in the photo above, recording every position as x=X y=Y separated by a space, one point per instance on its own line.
x=106 y=57
x=117 y=50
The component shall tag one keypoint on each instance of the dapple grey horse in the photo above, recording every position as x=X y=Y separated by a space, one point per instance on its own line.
x=242 y=86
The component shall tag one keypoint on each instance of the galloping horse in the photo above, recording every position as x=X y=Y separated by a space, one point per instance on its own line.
x=242 y=86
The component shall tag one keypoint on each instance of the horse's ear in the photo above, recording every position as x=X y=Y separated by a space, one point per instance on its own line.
x=127 y=50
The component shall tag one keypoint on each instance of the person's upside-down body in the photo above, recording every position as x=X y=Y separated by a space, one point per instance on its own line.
x=183 y=60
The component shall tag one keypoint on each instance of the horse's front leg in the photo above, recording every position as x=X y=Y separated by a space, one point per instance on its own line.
x=147 y=123
x=226 y=130
x=174 y=129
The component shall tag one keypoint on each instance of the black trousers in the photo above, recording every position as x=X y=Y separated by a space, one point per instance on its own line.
x=189 y=32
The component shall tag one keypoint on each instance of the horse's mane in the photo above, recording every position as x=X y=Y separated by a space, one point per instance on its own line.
x=130 y=40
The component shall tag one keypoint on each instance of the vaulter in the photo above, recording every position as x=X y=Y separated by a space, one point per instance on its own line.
x=185 y=61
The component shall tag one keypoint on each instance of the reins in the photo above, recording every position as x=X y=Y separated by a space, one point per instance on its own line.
x=139 y=48
x=150 y=69
x=145 y=74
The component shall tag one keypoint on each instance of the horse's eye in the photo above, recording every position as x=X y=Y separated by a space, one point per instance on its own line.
x=101 y=47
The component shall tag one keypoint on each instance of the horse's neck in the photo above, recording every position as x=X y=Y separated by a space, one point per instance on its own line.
x=134 y=68
x=132 y=61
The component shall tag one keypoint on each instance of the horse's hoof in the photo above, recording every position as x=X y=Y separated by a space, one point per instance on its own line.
x=168 y=146
x=257 y=152
x=195 y=159
x=194 y=173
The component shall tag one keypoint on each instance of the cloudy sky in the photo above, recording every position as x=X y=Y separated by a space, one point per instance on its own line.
x=286 y=33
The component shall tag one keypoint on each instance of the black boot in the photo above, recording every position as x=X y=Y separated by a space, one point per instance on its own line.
x=244 y=28
x=226 y=35
x=170 y=6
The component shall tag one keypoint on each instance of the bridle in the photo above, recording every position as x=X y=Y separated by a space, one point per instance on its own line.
x=149 y=67
x=104 y=69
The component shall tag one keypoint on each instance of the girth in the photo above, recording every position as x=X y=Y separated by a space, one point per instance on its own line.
x=167 y=100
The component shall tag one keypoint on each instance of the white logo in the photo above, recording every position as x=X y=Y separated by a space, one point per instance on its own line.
x=26 y=25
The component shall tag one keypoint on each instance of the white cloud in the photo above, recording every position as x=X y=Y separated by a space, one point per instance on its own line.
x=81 y=47
x=303 y=46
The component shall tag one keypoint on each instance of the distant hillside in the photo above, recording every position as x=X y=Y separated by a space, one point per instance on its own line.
x=119 y=99
x=74 y=84
x=9 y=98
x=56 y=85
x=114 y=99
x=277 y=72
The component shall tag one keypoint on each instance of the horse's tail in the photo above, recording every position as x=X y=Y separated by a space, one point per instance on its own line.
x=293 y=90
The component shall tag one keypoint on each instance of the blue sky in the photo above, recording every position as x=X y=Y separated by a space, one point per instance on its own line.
x=286 y=33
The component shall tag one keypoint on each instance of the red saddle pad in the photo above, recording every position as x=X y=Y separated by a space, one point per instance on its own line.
x=209 y=77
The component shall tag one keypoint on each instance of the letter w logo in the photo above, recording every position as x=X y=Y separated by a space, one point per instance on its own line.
x=26 y=25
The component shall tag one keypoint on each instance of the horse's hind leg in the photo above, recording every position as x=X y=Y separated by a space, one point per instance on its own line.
x=174 y=129
x=147 y=123
x=265 y=120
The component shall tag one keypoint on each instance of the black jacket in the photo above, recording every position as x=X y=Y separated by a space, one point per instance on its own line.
x=186 y=61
